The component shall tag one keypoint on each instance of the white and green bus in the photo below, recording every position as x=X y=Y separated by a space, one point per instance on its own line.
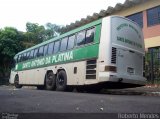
x=109 y=50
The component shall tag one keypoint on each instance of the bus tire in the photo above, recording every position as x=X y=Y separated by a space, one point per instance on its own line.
x=61 y=81
x=16 y=82
x=50 y=81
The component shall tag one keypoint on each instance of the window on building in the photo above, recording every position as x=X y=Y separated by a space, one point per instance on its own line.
x=153 y=16
x=50 y=48
x=71 y=41
x=56 y=46
x=138 y=18
x=63 y=44
x=90 y=35
x=81 y=38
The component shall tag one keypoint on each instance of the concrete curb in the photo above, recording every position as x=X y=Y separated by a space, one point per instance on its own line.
x=145 y=91
x=131 y=92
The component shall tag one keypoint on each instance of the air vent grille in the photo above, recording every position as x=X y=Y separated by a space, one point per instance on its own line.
x=91 y=69
x=114 y=54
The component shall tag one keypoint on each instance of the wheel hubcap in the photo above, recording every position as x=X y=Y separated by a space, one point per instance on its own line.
x=16 y=82
x=61 y=80
x=49 y=79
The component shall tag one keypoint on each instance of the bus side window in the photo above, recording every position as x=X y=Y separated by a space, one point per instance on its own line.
x=13 y=64
x=24 y=56
x=45 y=50
x=80 y=38
x=15 y=59
x=31 y=54
x=64 y=44
x=71 y=42
x=40 y=52
x=35 y=52
x=28 y=54
x=50 y=48
x=19 y=58
x=90 y=35
x=56 y=46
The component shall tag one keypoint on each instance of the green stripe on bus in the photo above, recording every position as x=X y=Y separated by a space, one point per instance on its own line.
x=80 y=53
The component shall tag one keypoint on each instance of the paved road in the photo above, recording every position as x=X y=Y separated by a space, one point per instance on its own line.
x=31 y=100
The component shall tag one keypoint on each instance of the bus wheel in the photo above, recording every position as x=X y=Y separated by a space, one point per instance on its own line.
x=50 y=82
x=16 y=82
x=61 y=81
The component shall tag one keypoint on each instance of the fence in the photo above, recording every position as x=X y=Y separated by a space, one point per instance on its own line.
x=4 y=81
x=152 y=65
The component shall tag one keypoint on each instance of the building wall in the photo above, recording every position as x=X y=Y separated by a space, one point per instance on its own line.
x=151 y=33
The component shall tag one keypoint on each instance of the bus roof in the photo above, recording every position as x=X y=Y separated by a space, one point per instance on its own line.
x=64 y=35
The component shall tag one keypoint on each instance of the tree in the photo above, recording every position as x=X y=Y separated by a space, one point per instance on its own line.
x=10 y=44
x=13 y=41
x=35 y=32
x=52 y=30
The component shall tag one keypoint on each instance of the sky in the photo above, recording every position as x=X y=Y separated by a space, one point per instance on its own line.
x=16 y=13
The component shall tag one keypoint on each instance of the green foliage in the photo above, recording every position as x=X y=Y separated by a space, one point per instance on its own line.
x=52 y=30
x=13 y=41
x=152 y=65
x=35 y=32
x=10 y=44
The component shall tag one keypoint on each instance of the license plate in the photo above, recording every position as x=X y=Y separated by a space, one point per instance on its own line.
x=130 y=70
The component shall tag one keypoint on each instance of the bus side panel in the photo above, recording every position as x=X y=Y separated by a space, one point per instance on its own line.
x=105 y=42
x=104 y=50
x=75 y=72
x=77 y=77
x=41 y=72
x=12 y=76
x=32 y=76
x=21 y=75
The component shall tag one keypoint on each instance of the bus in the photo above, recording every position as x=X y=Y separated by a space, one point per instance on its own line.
x=108 y=50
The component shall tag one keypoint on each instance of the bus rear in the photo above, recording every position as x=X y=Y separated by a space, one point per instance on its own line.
x=123 y=51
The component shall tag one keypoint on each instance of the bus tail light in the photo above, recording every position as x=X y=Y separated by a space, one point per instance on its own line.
x=111 y=68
